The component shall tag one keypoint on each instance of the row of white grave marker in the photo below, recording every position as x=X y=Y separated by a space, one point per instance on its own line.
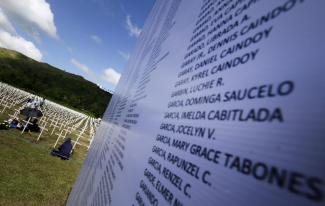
x=57 y=119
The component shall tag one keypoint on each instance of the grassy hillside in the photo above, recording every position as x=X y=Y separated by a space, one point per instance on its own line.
x=52 y=83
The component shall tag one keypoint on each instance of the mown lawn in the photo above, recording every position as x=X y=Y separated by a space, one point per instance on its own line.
x=29 y=175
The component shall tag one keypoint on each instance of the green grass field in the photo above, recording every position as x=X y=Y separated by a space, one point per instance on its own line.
x=29 y=175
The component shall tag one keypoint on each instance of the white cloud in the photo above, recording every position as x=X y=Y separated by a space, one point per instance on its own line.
x=31 y=14
x=125 y=56
x=19 y=44
x=133 y=29
x=80 y=66
x=89 y=74
x=111 y=76
x=5 y=24
x=96 y=39
x=9 y=39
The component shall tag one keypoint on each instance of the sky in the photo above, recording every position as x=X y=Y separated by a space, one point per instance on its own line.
x=91 y=38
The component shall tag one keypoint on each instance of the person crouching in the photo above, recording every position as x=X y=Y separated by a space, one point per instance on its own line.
x=64 y=150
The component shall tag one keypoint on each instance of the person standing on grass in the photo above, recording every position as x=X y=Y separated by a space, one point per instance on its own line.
x=42 y=102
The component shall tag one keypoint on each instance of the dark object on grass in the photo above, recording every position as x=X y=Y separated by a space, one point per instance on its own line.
x=14 y=123
x=64 y=150
x=29 y=112
x=33 y=127
x=4 y=126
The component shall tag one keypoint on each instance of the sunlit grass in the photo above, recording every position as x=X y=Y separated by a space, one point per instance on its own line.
x=29 y=175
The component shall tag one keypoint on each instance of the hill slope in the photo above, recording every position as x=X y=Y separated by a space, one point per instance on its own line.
x=52 y=83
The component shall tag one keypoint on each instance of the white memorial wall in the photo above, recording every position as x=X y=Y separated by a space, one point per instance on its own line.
x=221 y=103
